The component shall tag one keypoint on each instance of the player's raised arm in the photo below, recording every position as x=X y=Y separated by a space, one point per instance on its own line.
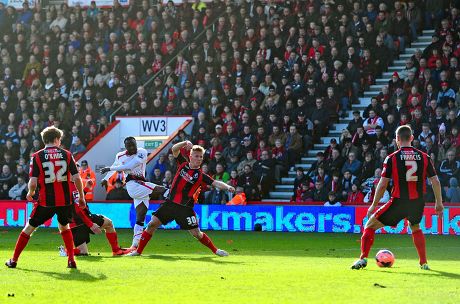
x=176 y=148
x=109 y=173
x=128 y=166
x=223 y=186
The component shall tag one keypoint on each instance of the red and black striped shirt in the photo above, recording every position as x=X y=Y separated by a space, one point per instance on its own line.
x=187 y=183
x=408 y=168
x=53 y=167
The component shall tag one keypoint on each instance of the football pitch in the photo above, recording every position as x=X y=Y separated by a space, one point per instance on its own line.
x=262 y=268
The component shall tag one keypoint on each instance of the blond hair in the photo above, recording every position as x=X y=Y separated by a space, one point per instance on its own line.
x=197 y=148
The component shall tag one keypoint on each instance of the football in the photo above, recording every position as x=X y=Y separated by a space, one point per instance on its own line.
x=384 y=258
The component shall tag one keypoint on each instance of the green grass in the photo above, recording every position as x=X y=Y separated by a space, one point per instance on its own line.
x=262 y=268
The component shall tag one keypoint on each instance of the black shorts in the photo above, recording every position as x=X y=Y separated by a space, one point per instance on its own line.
x=397 y=209
x=41 y=214
x=184 y=216
x=81 y=233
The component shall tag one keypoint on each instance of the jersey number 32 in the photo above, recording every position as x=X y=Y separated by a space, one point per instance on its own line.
x=49 y=170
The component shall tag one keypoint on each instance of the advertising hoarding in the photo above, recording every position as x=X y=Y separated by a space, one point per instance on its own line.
x=349 y=219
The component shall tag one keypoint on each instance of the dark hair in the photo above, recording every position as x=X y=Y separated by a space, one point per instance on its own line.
x=50 y=134
x=129 y=138
x=404 y=132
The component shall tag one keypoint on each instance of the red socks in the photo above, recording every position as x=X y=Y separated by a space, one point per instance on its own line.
x=419 y=242
x=68 y=242
x=205 y=240
x=366 y=242
x=21 y=243
x=113 y=240
x=145 y=238
x=76 y=251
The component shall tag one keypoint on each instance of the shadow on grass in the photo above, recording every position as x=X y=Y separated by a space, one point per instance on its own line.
x=91 y=258
x=433 y=273
x=207 y=259
x=71 y=275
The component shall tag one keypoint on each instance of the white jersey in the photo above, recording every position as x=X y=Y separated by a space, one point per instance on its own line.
x=133 y=165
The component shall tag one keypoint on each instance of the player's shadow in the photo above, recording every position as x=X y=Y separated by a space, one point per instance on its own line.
x=208 y=259
x=92 y=258
x=72 y=275
x=434 y=273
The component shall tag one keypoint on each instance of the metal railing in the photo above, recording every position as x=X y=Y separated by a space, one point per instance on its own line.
x=145 y=84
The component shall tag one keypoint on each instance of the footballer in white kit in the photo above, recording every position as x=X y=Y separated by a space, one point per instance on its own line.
x=133 y=162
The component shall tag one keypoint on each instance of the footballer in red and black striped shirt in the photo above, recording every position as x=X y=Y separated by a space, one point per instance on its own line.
x=408 y=169
x=53 y=170
x=53 y=167
x=186 y=185
x=184 y=193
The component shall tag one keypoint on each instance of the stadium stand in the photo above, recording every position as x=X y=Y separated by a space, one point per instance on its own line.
x=281 y=92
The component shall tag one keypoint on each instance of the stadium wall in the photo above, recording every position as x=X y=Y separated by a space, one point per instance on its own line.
x=348 y=219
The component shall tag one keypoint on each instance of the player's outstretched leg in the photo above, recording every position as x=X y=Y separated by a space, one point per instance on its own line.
x=112 y=237
x=81 y=250
x=146 y=236
x=419 y=241
x=205 y=240
x=21 y=243
x=367 y=240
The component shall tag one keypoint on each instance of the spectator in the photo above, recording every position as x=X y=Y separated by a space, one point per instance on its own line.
x=6 y=176
x=118 y=193
x=367 y=168
x=4 y=191
x=234 y=150
x=280 y=157
x=320 y=119
x=356 y=122
x=157 y=176
x=372 y=122
x=449 y=168
x=321 y=175
x=161 y=163
x=293 y=145
x=320 y=193
x=352 y=164
x=264 y=170
x=250 y=160
x=88 y=178
x=355 y=197
x=248 y=181
x=18 y=191
x=221 y=175
x=303 y=194
x=77 y=146
x=453 y=192
x=332 y=200
x=94 y=60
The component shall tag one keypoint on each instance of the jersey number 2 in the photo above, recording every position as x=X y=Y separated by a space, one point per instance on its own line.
x=50 y=176
x=411 y=167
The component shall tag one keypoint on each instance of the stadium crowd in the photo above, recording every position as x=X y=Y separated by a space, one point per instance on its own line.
x=263 y=81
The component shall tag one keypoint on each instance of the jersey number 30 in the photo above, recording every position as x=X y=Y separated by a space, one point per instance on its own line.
x=59 y=176
x=411 y=171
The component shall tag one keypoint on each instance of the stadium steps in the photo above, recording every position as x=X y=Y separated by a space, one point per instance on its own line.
x=282 y=192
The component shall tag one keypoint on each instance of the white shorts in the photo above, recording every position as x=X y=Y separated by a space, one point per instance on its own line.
x=140 y=192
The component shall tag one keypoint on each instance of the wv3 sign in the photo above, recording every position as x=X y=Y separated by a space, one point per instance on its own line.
x=153 y=127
